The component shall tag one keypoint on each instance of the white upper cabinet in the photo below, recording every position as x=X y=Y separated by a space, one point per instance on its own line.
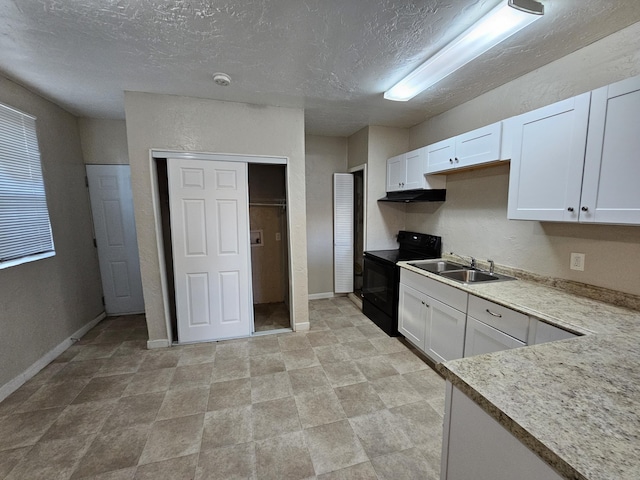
x=577 y=160
x=396 y=173
x=477 y=147
x=610 y=192
x=415 y=169
x=548 y=147
x=406 y=172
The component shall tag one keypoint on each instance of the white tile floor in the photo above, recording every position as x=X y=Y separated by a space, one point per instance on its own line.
x=342 y=401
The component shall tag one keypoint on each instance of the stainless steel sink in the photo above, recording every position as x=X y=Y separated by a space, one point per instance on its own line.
x=437 y=266
x=474 y=276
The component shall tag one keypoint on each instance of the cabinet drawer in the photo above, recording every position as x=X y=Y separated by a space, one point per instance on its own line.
x=444 y=293
x=499 y=317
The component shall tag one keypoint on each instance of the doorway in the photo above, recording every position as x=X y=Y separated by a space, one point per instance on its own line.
x=358 y=230
x=269 y=252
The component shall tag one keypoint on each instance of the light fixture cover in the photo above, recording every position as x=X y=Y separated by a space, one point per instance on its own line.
x=495 y=27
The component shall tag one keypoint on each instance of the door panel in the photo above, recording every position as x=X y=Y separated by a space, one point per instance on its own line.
x=547 y=161
x=115 y=230
x=210 y=234
x=610 y=193
x=343 y=232
x=411 y=315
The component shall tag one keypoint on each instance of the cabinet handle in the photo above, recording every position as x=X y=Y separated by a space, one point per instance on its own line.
x=427 y=305
x=494 y=314
x=457 y=160
x=570 y=209
x=451 y=161
x=584 y=209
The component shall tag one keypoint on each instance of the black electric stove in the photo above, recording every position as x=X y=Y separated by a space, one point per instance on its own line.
x=381 y=277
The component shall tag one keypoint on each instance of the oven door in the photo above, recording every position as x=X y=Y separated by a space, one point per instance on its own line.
x=379 y=284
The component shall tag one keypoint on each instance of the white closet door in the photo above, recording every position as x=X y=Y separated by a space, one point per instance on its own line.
x=115 y=230
x=210 y=234
x=343 y=232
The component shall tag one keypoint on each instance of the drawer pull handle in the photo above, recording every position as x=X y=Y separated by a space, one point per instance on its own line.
x=494 y=314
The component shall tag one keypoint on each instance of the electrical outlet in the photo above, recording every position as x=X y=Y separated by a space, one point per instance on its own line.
x=577 y=261
x=277 y=236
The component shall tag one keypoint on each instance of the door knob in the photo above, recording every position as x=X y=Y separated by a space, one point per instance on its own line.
x=584 y=209
x=570 y=209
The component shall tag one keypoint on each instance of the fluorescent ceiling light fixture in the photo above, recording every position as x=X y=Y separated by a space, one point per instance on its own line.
x=498 y=25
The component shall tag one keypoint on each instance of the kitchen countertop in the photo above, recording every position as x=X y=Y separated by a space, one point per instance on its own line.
x=576 y=403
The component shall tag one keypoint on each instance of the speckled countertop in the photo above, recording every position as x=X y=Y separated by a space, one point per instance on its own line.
x=576 y=403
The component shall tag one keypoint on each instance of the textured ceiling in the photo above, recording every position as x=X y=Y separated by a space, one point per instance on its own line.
x=334 y=58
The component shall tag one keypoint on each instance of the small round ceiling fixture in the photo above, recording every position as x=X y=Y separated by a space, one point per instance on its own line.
x=222 y=79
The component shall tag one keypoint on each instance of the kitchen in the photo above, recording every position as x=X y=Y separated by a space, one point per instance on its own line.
x=543 y=248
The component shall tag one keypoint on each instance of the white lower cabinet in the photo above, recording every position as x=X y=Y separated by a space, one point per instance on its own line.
x=481 y=338
x=412 y=320
x=475 y=446
x=543 y=332
x=444 y=336
x=432 y=325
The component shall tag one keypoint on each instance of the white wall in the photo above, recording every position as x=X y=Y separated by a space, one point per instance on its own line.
x=193 y=124
x=103 y=141
x=473 y=219
x=383 y=219
x=324 y=156
x=42 y=303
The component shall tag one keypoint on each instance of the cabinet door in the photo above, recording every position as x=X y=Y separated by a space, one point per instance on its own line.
x=415 y=169
x=477 y=447
x=481 y=338
x=411 y=315
x=444 y=338
x=396 y=173
x=547 y=161
x=440 y=155
x=548 y=333
x=479 y=146
x=610 y=192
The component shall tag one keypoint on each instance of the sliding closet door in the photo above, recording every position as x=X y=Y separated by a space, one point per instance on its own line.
x=210 y=235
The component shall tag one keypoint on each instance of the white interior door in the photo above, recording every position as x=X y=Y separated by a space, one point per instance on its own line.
x=210 y=233
x=115 y=230
x=343 y=228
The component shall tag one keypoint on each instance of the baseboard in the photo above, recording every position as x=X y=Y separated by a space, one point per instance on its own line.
x=162 y=343
x=10 y=387
x=320 y=296
x=301 y=327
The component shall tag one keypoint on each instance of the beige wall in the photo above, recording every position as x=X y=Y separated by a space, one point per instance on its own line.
x=324 y=156
x=43 y=303
x=267 y=259
x=473 y=219
x=103 y=142
x=192 y=124
x=358 y=148
x=383 y=219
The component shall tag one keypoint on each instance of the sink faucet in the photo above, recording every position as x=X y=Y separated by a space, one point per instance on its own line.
x=470 y=259
x=491 y=266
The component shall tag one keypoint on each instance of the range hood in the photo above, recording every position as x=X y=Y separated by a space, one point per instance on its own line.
x=419 y=195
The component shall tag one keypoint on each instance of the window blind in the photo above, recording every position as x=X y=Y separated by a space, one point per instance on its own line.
x=25 y=229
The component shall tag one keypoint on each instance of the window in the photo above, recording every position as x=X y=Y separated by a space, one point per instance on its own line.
x=25 y=230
